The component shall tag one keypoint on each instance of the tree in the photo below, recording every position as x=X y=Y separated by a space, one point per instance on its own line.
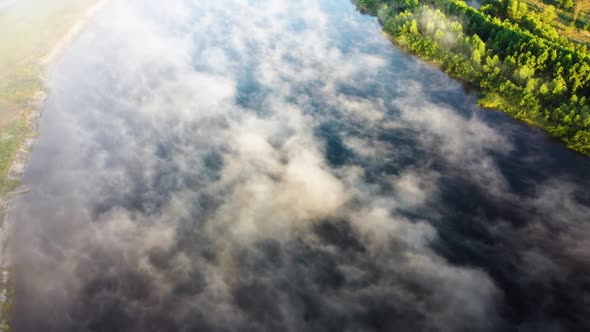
x=559 y=85
x=479 y=49
x=549 y=14
x=408 y=4
x=368 y=5
x=512 y=9
x=566 y=4
x=414 y=27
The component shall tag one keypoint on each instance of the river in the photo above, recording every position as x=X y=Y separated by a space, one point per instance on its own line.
x=280 y=166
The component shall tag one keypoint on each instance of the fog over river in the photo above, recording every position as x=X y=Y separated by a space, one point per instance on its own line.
x=233 y=165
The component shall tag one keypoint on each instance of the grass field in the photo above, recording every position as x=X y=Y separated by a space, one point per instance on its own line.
x=29 y=30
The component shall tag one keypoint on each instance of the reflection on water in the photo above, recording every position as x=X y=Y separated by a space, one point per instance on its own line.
x=269 y=166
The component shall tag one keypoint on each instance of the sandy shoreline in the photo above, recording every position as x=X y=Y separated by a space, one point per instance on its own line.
x=74 y=30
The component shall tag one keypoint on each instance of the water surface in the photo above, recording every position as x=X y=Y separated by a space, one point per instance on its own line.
x=271 y=166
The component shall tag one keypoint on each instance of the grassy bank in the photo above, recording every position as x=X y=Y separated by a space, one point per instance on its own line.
x=28 y=31
x=11 y=138
x=514 y=55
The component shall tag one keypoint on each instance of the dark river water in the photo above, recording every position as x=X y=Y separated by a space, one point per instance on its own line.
x=261 y=165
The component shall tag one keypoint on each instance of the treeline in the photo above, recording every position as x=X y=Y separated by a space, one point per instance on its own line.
x=515 y=56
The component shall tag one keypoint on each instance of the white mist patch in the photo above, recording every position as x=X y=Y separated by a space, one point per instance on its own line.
x=464 y=142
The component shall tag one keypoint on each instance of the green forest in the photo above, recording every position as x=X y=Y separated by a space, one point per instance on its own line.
x=512 y=50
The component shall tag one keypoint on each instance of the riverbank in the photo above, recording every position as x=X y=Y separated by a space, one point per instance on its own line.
x=36 y=102
x=531 y=76
x=32 y=33
x=22 y=94
x=493 y=102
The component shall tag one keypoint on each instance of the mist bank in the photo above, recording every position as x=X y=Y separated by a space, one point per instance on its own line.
x=513 y=55
x=280 y=166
